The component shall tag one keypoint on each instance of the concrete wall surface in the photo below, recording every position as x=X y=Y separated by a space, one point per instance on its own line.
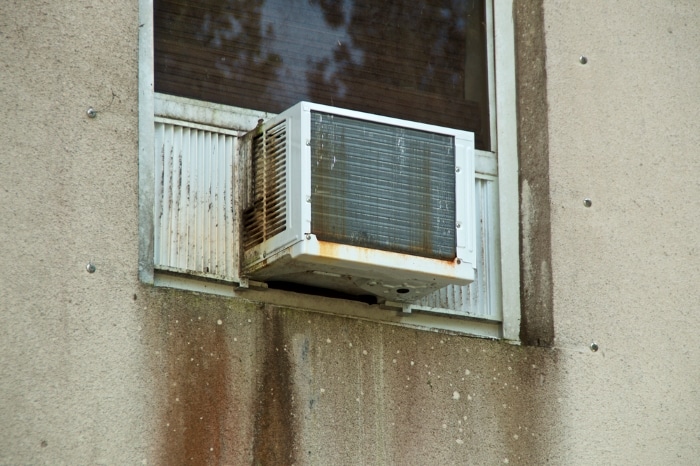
x=98 y=368
x=624 y=131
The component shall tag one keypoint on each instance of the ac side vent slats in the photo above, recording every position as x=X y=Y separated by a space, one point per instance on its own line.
x=268 y=213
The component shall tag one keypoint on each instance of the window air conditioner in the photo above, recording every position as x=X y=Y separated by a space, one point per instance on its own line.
x=357 y=203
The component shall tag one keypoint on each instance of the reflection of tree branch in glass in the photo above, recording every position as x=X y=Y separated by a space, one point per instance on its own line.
x=205 y=47
x=421 y=60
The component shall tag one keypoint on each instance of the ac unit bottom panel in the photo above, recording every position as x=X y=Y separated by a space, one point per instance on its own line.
x=359 y=271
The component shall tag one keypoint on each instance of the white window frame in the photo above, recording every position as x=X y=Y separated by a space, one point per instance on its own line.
x=500 y=165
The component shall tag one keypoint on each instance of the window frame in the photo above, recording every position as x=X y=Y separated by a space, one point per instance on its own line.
x=500 y=165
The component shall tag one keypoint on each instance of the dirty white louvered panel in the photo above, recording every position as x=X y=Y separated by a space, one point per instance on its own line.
x=480 y=299
x=193 y=212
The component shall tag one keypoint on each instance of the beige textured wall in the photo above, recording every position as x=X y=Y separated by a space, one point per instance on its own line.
x=73 y=375
x=624 y=131
x=99 y=369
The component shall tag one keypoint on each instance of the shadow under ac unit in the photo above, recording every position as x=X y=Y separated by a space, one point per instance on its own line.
x=358 y=203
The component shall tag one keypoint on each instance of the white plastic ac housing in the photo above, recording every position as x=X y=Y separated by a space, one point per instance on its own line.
x=357 y=203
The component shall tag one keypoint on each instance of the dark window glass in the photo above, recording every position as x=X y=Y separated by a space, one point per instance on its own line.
x=420 y=60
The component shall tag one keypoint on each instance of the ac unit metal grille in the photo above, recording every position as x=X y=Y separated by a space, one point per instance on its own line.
x=382 y=187
x=267 y=216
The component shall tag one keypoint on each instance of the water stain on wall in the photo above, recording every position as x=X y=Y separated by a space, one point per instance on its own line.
x=201 y=415
x=537 y=325
x=275 y=424
x=227 y=378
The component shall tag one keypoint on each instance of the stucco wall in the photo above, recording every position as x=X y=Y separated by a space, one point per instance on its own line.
x=100 y=369
x=74 y=379
x=624 y=131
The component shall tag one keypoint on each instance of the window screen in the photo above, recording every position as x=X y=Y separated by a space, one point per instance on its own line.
x=420 y=60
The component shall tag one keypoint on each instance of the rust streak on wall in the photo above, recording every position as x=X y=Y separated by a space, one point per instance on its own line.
x=199 y=423
x=275 y=424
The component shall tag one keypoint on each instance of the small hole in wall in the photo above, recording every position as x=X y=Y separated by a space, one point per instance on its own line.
x=403 y=290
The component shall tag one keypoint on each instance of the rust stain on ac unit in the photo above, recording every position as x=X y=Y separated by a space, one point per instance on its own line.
x=335 y=250
x=265 y=210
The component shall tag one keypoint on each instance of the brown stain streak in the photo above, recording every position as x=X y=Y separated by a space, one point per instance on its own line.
x=336 y=251
x=275 y=425
x=198 y=393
